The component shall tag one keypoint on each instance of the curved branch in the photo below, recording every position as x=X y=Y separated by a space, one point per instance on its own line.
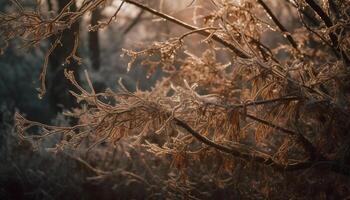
x=237 y=51
x=336 y=167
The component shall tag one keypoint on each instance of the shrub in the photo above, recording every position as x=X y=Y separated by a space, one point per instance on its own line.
x=273 y=108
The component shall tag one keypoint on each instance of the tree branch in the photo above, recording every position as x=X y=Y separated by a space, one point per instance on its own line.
x=326 y=19
x=133 y=23
x=286 y=33
x=267 y=101
x=320 y=12
x=266 y=160
x=237 y=51
x=305 y=143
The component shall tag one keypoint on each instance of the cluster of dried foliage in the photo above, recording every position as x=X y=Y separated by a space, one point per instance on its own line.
x=280 y=107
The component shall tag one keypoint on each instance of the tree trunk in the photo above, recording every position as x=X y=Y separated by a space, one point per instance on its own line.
x=94 y=46
x=59 y=86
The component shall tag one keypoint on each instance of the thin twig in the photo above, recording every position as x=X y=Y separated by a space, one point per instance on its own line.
x=42 y=77
x=134 y=22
